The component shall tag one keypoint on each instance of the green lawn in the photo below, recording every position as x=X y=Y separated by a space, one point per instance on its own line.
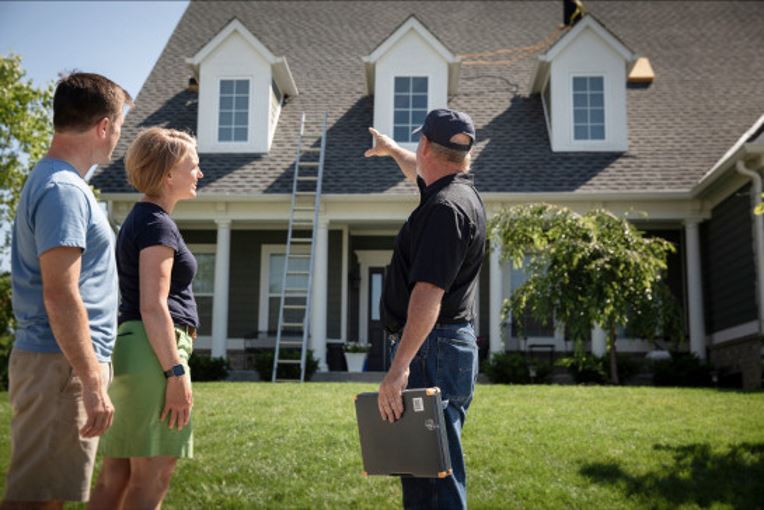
x=289 y=446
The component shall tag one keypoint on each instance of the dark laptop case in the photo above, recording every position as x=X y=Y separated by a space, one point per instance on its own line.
x=415 y=445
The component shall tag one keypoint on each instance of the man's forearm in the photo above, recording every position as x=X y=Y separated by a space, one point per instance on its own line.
x=69 y=322
x=423 y=311
x=406 y=161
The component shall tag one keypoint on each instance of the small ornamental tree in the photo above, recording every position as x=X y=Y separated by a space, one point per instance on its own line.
x=584 y=270
x=25 y=131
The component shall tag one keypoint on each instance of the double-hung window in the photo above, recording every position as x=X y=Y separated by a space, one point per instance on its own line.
x=233 y=116
x=588 y=108
x=204 y=284
x=410 y=107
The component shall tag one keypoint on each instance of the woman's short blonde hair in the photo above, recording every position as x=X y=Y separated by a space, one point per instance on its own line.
x=151 y=156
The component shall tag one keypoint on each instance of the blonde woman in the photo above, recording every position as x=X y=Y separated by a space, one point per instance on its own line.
x=158 y=319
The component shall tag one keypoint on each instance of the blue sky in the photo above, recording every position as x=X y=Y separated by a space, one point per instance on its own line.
x=121 y=40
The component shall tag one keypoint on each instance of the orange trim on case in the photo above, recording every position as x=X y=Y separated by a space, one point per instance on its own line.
x=443 y=474
x=432 y=391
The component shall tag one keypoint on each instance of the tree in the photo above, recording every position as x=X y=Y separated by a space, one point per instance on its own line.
x=584 y=270
x=25 y=130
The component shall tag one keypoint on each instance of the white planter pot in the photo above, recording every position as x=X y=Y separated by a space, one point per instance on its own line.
x=355 y=361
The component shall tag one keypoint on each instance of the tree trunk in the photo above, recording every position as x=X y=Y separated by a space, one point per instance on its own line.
x=613 y=358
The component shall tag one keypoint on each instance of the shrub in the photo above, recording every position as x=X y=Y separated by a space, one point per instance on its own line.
x=264 y=364
x=585 y=367
x=6 y=343
x=514 y=368
x=628 y=367
x=683 y=369
x=207 y=368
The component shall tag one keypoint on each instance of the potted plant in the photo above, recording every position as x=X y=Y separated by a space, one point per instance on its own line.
x=355 y=355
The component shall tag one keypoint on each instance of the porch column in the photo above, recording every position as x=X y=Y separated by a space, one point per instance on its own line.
x=495 y=341
x=320 y=291
x=220 y=299
x=695 y=289
x=599 y=341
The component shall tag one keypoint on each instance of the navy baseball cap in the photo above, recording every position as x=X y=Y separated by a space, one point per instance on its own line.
x=441 y=124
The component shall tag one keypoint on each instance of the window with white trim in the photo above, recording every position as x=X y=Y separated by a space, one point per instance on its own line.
x=409 y=107
x=588 y=108
x=272 y=267
x=233 y=115
x=204 y=284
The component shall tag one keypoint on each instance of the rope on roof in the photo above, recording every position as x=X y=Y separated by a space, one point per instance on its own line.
x=523 y=52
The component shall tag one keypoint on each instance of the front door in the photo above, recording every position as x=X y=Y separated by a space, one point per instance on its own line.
x=377 y=359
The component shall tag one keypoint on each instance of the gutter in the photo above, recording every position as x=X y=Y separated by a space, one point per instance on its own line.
x=758 y=231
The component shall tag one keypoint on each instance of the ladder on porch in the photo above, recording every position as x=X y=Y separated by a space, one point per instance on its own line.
x=295 y=301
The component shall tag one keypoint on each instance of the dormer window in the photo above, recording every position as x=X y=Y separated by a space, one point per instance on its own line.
x=582 y=82
x=410 y=73
x=588 y=108
x=410 y=107
x=233 y=118
x=241 y=90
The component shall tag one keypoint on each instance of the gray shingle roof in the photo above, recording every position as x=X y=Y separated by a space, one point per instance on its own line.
x=709 y=89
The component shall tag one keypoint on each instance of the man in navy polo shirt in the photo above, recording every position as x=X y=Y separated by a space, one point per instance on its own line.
x=428 y=298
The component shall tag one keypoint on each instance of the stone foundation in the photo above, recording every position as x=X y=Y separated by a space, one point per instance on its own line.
x=739 y=361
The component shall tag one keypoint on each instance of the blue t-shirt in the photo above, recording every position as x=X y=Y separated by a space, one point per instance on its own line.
x=57 y=208
x=149 y=225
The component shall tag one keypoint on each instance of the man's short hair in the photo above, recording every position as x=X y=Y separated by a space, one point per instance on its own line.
x=151 y=156
x=83 y=99
x=450 y=155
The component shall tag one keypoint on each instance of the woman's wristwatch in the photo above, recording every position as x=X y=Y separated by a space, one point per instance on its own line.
x=176 y=370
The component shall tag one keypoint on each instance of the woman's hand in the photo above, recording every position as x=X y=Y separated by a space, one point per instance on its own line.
x=178 y=401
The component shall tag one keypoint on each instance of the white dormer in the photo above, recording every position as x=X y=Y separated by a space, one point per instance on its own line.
x=582 y=82
x=409 y=74
x=241 y=89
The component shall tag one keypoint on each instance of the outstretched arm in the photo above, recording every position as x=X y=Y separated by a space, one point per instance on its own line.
x=386 y=146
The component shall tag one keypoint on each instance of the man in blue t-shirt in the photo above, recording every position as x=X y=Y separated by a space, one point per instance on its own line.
x=65 y=302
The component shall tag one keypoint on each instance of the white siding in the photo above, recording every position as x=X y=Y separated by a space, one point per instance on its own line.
x=275 y=109
x=234 y=58
x=589 y=55
x=410 y=56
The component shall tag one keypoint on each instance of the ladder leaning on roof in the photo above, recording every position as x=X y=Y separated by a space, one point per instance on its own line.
x=297 y=278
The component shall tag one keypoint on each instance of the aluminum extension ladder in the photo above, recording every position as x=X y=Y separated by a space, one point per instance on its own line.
x=297 y=278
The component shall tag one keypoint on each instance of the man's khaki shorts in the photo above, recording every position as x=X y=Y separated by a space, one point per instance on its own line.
x=49 y=459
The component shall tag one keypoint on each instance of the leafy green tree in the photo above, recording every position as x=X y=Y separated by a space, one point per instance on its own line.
x=584 y=270
x=25 y=131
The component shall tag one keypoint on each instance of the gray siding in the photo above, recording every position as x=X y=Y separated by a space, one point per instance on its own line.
x=244 y=280
x=729 y=274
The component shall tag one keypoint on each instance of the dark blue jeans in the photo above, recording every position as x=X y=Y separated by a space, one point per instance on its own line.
x=447 y=359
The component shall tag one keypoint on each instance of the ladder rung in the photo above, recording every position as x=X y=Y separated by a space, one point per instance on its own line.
x=302 y=222
x=311 y=149
x=304 y=209
x=294 y=307
x=309 y=164
x=299 y=255
x=298 y=273
x=290 y=342
x=292 y=325
x=307 y=178
x=289 y=361
x=305 y=192
x=302 y=239
x=304 y=292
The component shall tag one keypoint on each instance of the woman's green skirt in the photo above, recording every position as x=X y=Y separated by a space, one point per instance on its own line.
x=138 y=392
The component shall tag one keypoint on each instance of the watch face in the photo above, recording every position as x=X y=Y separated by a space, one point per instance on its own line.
x=178 y=370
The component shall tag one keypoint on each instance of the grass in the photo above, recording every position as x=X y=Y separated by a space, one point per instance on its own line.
x=289 y=446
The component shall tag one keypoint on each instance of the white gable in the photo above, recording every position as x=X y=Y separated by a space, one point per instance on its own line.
x=411 y=51
x=235 y=54
x=587 y=50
